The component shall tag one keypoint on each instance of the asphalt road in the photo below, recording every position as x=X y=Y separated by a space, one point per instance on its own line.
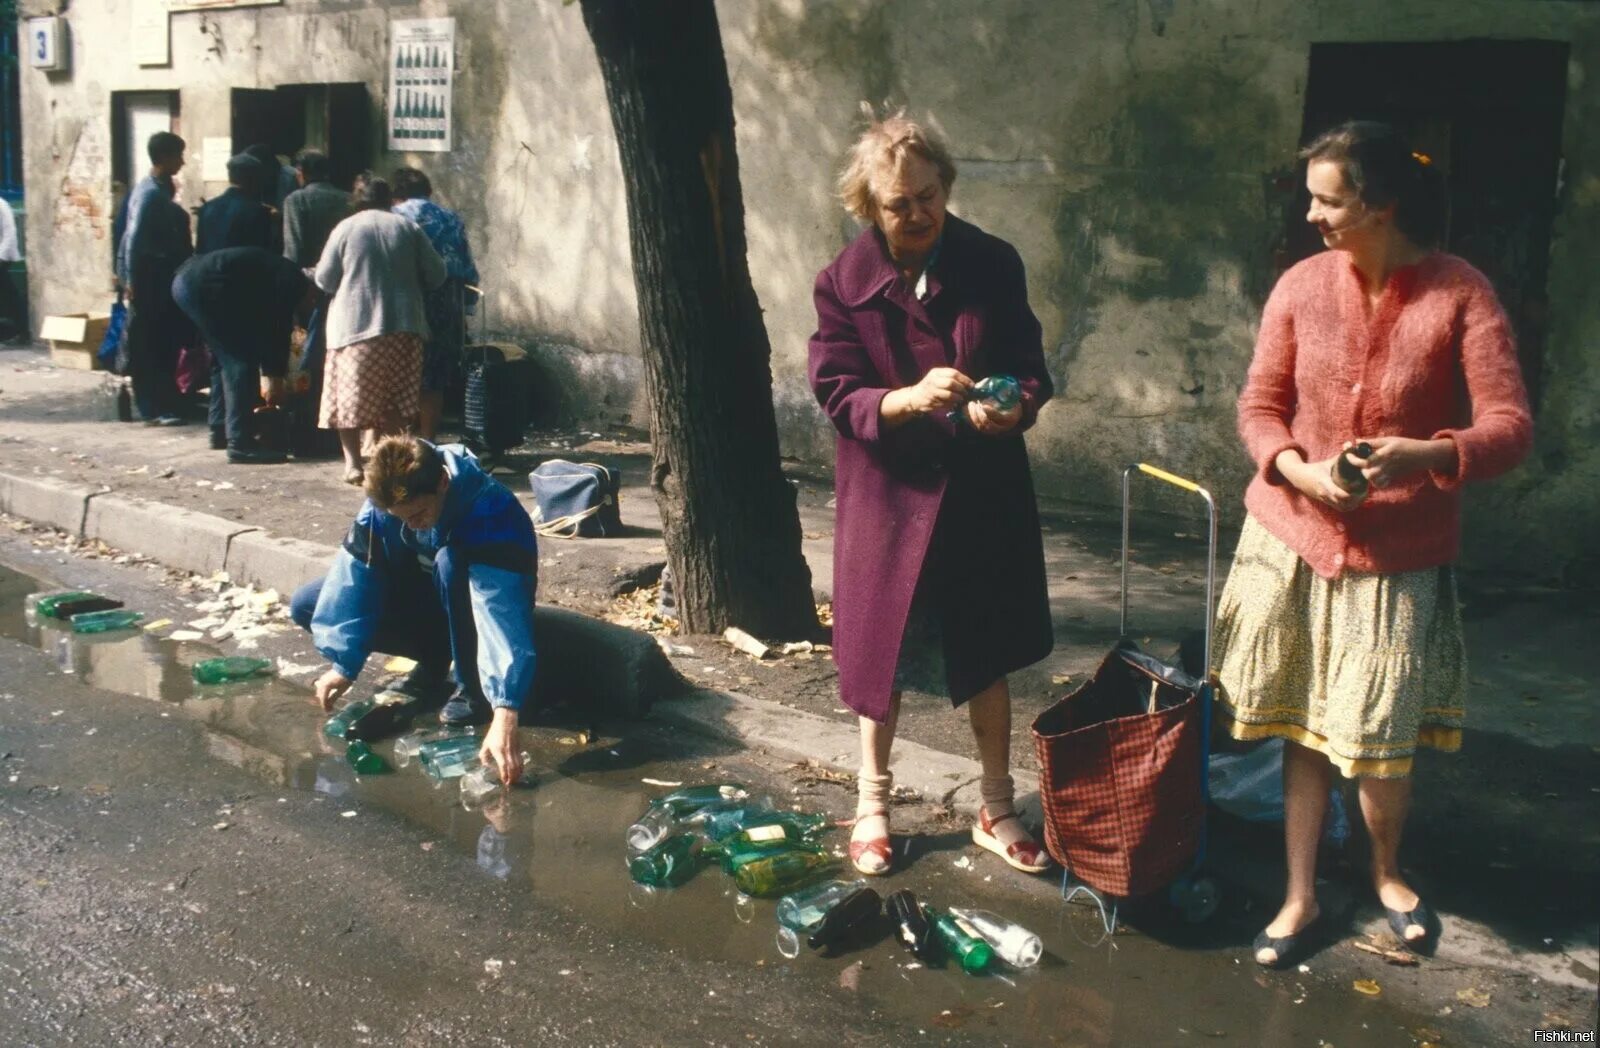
x=189 y=867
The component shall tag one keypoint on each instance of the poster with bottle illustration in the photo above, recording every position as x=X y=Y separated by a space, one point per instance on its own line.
x=421 y=67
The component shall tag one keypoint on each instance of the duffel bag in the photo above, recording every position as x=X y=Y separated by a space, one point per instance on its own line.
x=575 y=500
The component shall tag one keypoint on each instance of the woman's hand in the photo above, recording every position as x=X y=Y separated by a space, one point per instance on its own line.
x=942 y=389
x=1314 y=480
x=993 y=422
x=1395 y=458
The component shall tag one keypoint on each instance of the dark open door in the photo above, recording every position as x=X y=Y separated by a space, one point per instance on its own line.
x=257 y=117
x=349 y=131
x=1497 y=139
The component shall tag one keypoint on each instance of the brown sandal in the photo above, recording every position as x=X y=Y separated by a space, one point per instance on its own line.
x=879 y=849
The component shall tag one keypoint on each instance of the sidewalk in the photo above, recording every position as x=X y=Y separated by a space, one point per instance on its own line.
x=1504 y=835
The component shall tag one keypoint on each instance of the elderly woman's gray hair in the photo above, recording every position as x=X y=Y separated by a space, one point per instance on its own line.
x=882 y=148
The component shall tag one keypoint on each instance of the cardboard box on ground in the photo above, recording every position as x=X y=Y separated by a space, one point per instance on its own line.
x=75 y=338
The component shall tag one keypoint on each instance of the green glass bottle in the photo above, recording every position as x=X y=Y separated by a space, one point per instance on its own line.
x=105 y=621
x=693 y=798
x=740 y=850
x=345 y=716
x=364 y=760
x=720 y=825
x=672 y=862
x=783 y=872
x=961 y=941
x=231 y=668
x=72 y=602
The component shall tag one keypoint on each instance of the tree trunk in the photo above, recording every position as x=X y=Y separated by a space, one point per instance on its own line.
x=728 y=514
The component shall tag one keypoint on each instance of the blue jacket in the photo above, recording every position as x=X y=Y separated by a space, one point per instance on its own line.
x=234 y=219
x=486 y=531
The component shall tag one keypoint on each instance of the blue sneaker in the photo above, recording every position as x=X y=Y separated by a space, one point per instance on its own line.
x=464 y=710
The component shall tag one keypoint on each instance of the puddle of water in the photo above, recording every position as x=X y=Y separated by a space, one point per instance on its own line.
x=563 y=839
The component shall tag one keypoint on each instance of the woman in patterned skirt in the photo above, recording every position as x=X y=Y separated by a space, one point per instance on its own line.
x=377 y=267
x=1339 y=629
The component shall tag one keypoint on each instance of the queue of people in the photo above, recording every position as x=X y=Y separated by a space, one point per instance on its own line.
x=388 y=281
x=1339 y=627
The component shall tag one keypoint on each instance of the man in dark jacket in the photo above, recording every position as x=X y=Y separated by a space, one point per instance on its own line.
x=242 y=299
x=155 y=242
x=237 y=218
x=311 y=212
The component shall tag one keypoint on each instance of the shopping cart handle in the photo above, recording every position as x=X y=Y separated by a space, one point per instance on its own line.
x=1171 y=478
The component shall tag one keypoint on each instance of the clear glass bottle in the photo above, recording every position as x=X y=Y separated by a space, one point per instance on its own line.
x=406 y=746
x=483 y=781
x=1011 y=942
x=447 y=759
x=799 y=912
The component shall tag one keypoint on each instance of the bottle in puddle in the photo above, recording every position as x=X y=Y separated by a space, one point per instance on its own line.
x=339 y=724
x=961 y=941
x=912 y=927
x=406 y=746
x=671 y=862
x=450 y=758
x=364 y=760
x=230 y=668
x=799 y=912
x=106 y=621
x=722 y=824
x=483 y=781
x=748 y=846
x=1011 y=942
x=65 y=604
x=783 y=872
x=671 y=813
x=1348 y=475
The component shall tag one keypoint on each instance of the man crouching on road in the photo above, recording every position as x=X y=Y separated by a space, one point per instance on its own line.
x=440 y=564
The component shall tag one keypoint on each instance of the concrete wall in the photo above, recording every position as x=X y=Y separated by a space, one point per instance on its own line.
x=1128 y=149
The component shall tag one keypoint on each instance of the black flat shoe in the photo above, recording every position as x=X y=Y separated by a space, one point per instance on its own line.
x=1289 y=949
x=1423 y=917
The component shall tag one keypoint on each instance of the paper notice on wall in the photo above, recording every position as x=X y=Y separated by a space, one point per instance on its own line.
x=422 y=57
x=152 y=41
x=214 y=156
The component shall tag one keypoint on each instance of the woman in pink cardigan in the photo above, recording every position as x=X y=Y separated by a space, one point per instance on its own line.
x=1339 y=629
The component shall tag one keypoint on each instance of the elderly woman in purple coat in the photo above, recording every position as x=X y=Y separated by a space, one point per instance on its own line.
x=939 y=581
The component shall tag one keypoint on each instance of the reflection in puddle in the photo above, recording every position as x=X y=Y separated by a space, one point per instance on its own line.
x=563 y=839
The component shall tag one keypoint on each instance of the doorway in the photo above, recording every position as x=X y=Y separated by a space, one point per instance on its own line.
x=333 y=118
x=135 y=116
x=1497 y=139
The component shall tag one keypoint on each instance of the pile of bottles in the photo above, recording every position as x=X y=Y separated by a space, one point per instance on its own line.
x=772 y=853
x=767 y=852
x=835 y=912
x=84 y=611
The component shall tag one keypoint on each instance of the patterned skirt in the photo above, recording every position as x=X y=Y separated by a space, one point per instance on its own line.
x=373 y=383
x=1363 y=668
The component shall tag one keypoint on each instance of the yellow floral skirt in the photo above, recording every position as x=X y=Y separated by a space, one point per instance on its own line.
x=1362 y=668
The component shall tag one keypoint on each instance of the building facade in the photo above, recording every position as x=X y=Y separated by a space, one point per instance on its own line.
x=1140 y=155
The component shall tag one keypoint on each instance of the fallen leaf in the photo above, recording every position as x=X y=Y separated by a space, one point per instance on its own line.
x=400 y=664
x=660 y=782
x=850 y=978
x=1367 y=987
x=1473 y=997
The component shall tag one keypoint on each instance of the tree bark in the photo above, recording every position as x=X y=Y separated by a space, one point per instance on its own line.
x=728 y=514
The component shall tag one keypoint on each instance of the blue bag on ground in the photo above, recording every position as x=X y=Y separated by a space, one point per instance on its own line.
x=575 y=500
x=116 y=330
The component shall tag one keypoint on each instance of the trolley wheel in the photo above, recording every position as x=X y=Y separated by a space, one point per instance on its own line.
x=1195 y=898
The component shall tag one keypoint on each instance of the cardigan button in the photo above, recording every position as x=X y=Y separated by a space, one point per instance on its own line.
x=1356 y=388
x=1338 y=560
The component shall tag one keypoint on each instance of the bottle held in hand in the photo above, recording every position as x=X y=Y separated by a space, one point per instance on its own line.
x=997 y=392
x=1346 y=474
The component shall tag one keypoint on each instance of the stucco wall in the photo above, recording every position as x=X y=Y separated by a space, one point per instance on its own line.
x=1128 y=149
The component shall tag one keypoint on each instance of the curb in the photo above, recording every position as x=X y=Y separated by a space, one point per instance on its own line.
x=46 y=501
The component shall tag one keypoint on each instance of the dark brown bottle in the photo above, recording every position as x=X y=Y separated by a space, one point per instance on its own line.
x=912 y=927
x=855 y=911
x=1347 y=474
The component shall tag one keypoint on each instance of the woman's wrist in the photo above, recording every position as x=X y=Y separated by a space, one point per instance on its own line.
x=1288 y=463
x=896 y=407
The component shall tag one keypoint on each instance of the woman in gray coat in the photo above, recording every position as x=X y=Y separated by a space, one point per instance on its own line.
x=378 y=268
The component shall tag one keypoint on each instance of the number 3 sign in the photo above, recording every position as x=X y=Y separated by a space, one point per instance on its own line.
x=45 y=49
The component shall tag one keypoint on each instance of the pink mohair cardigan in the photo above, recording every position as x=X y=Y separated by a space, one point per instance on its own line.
x=1434 y=358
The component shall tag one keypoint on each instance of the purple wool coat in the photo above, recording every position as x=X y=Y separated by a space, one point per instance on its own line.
x=929 y=504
